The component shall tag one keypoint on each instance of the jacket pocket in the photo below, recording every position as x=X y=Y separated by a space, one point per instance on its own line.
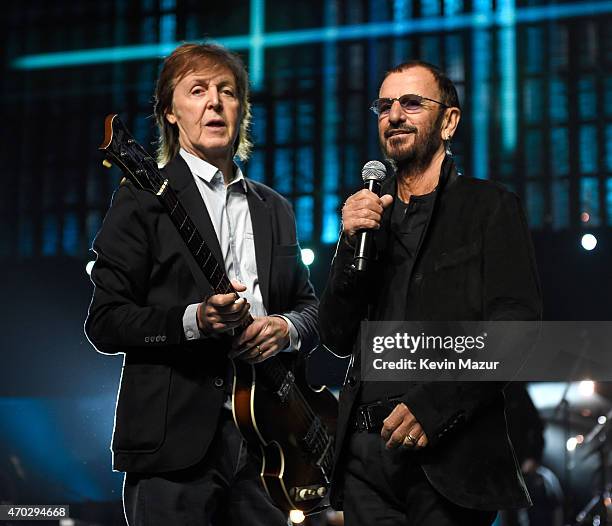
x=457 y=256
x=142 y=406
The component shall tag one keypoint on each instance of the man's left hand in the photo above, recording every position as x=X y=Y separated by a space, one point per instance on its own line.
x=401 y=428
x=261 y=340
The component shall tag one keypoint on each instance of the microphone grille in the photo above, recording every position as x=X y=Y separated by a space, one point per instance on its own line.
x=374 y=170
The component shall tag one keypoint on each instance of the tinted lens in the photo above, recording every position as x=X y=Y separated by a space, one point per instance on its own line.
x=382 y=105
x=411 y=103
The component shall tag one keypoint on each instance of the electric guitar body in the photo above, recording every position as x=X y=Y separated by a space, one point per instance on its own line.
x=293 y=424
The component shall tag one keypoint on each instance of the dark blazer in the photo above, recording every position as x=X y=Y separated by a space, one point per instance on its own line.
x=172 y=391
x=475 y=262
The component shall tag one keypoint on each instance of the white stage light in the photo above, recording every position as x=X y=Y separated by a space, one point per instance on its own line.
x=296 y=516
x=308 y=256
x=571 y=444
x=586 y=387
x=589 y=241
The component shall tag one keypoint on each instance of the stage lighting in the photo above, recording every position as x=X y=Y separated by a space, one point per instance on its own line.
x=308 y=256
x=589 y=241
x=88 y=267
x=585 y=217
x=602 y=420
x=586 y=387
x=296 y=516
x=571 y=444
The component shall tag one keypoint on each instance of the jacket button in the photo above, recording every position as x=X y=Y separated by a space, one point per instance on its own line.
x=418 y=276
x=219 y=382
x=351 y=381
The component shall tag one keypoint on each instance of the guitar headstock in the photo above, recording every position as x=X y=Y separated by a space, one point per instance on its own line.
x=121 y=148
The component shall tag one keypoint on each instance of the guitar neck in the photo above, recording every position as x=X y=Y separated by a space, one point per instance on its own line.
x=212 y=269
x=142 y=170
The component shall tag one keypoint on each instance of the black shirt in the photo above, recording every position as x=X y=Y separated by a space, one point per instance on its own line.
x=407 y=228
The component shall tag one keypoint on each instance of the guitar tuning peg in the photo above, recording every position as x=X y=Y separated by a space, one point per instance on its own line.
x=106 y=163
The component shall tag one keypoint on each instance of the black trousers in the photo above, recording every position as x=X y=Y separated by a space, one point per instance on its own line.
x=224 y=489
x=389 y=488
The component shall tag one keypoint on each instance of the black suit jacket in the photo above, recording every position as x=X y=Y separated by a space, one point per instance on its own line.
x=172 y=390
x=475 y=262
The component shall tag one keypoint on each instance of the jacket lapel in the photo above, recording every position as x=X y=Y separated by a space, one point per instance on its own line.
x=183 y=183
x=382 y=235
x=261 y=218
x=448 y=175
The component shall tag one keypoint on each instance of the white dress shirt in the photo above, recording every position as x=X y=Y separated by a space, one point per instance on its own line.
x=229 y=213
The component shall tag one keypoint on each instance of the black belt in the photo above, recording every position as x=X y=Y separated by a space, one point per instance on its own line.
x=369 y=417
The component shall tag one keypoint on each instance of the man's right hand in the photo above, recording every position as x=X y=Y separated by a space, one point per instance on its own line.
x=363 y=211
x=223 y=312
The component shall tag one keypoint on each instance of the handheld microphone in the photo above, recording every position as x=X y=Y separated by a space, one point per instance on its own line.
x=373 y=174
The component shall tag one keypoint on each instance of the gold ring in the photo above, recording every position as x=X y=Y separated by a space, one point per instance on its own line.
x=409 y=440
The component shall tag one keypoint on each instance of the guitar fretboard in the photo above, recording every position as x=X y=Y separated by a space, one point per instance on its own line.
x=214 y=272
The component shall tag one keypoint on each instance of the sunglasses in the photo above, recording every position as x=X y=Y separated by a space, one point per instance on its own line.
x=410 y=103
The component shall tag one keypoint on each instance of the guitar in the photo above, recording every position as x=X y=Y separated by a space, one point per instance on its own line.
x=274 y=408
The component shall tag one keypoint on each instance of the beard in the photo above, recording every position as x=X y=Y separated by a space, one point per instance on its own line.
x=415 y=158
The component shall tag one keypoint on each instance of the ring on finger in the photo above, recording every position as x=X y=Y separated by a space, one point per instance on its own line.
x=409 y=440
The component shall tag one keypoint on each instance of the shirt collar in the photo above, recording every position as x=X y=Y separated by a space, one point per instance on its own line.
x=207 y=172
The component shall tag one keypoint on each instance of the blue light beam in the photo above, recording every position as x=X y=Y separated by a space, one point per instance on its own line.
x=260 y=41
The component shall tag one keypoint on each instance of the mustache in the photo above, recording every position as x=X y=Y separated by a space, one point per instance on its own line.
x=408 y=128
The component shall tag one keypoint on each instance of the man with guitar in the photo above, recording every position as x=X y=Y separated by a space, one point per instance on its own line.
x=447 y=248
x=184 y=458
